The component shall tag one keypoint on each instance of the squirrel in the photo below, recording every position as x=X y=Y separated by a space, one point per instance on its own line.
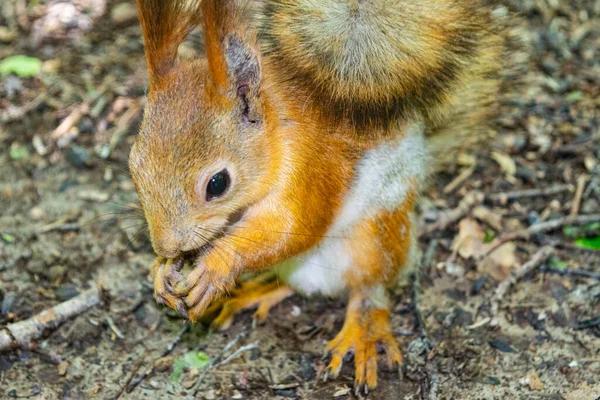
x=299 y=145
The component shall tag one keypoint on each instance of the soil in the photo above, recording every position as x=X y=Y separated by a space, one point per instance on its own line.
x=68 y=222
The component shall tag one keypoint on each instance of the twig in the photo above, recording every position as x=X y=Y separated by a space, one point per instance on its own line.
x=452 y=216
x=135 y=380
x=15 y=113
x=543 y=227
x=456 y=182
x=23 y=332
x=65 y=132
x=217 y=361
x=114 y=328
x=505 y=197
x=581 y=181
x=571 y=272
x=238 y=352
x=538 y=258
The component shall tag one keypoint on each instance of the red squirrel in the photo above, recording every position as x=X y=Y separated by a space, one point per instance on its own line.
x=299 y=145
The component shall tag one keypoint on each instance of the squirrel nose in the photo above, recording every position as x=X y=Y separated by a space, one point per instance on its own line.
x=167 y=244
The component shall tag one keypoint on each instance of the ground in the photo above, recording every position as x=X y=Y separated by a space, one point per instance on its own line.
x=68 y=224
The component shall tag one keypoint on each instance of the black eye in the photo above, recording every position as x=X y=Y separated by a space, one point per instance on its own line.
x=217 y=185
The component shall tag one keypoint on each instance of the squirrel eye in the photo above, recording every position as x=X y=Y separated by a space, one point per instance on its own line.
x=217 y=185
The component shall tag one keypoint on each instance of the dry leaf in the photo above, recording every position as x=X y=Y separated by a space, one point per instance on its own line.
x=469 y=240
x=507 y=164
x=500 y=262
x=469 y=243
x=533 y=381
x=486 y=215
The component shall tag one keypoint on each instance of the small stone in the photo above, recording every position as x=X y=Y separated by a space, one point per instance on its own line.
x=6 y=35
x=37 y=213
x=237 y=395
x=62 y=368
x=78 y=156
x=296 y=311
x=533 y=381
x=66 y=292
x=56 y=273
x=164 y=364
x=7 y=303
x=123 y=13
x=93 y=195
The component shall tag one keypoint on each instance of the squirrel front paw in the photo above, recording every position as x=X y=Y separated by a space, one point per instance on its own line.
x=166 y=273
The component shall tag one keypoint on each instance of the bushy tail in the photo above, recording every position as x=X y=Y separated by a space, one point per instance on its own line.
x=376 y=61
x=500 y=73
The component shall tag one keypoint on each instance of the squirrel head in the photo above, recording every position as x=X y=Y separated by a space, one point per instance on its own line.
x=202 y=153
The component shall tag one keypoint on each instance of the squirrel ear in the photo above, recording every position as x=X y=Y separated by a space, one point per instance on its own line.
x=165 y=24
x=233 y=61
x=243 y=66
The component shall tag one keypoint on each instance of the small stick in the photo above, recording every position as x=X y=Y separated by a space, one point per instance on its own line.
x=543 y=227
x=504 y=197
x=238 y=352
x=15 y=113
x=137 y=379
x=452 y=216
x=459 y=180
x=538 y=258
x=114 y=328
x=22 y=333
x=581 y=181
x=571 y=272
x=217 y=361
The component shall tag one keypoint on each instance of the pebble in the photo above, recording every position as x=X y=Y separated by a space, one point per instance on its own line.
x=7 y=303
x=93 y=195
x=123 y=13
x=37 y=213
x=66 y=292
x=78 y=156
x=56 y=273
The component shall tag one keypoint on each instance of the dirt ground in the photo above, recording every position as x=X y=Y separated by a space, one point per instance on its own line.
x=68 y=223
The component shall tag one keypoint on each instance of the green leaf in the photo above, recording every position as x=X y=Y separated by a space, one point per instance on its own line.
x=574 y=96
x=576 y=232
x=556 y=263
x=489 y=236
x=20 y=65
x=192 y=359
x=589 y=243
x=7 y=238
x=18 y=151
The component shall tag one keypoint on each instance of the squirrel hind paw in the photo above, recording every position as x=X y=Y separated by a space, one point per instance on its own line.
x=364 y=331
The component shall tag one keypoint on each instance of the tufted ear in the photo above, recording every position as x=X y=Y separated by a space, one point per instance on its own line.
x=165 y=24
x=231 y=51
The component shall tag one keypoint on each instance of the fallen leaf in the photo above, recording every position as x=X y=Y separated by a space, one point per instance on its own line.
x=20 y=65
x=341 y=392
x=501 y=346
x=589 y=243
x=469 y=240
x=507 y=164
x=62 y=368
x=500 y=262
x=191 y=360
x=533 y=381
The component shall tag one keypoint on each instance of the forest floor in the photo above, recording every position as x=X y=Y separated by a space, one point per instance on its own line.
x=65 y=228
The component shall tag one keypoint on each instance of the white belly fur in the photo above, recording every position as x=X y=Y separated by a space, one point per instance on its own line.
x=383 y=179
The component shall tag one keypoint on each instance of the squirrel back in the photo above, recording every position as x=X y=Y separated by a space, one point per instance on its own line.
x=373 y=62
